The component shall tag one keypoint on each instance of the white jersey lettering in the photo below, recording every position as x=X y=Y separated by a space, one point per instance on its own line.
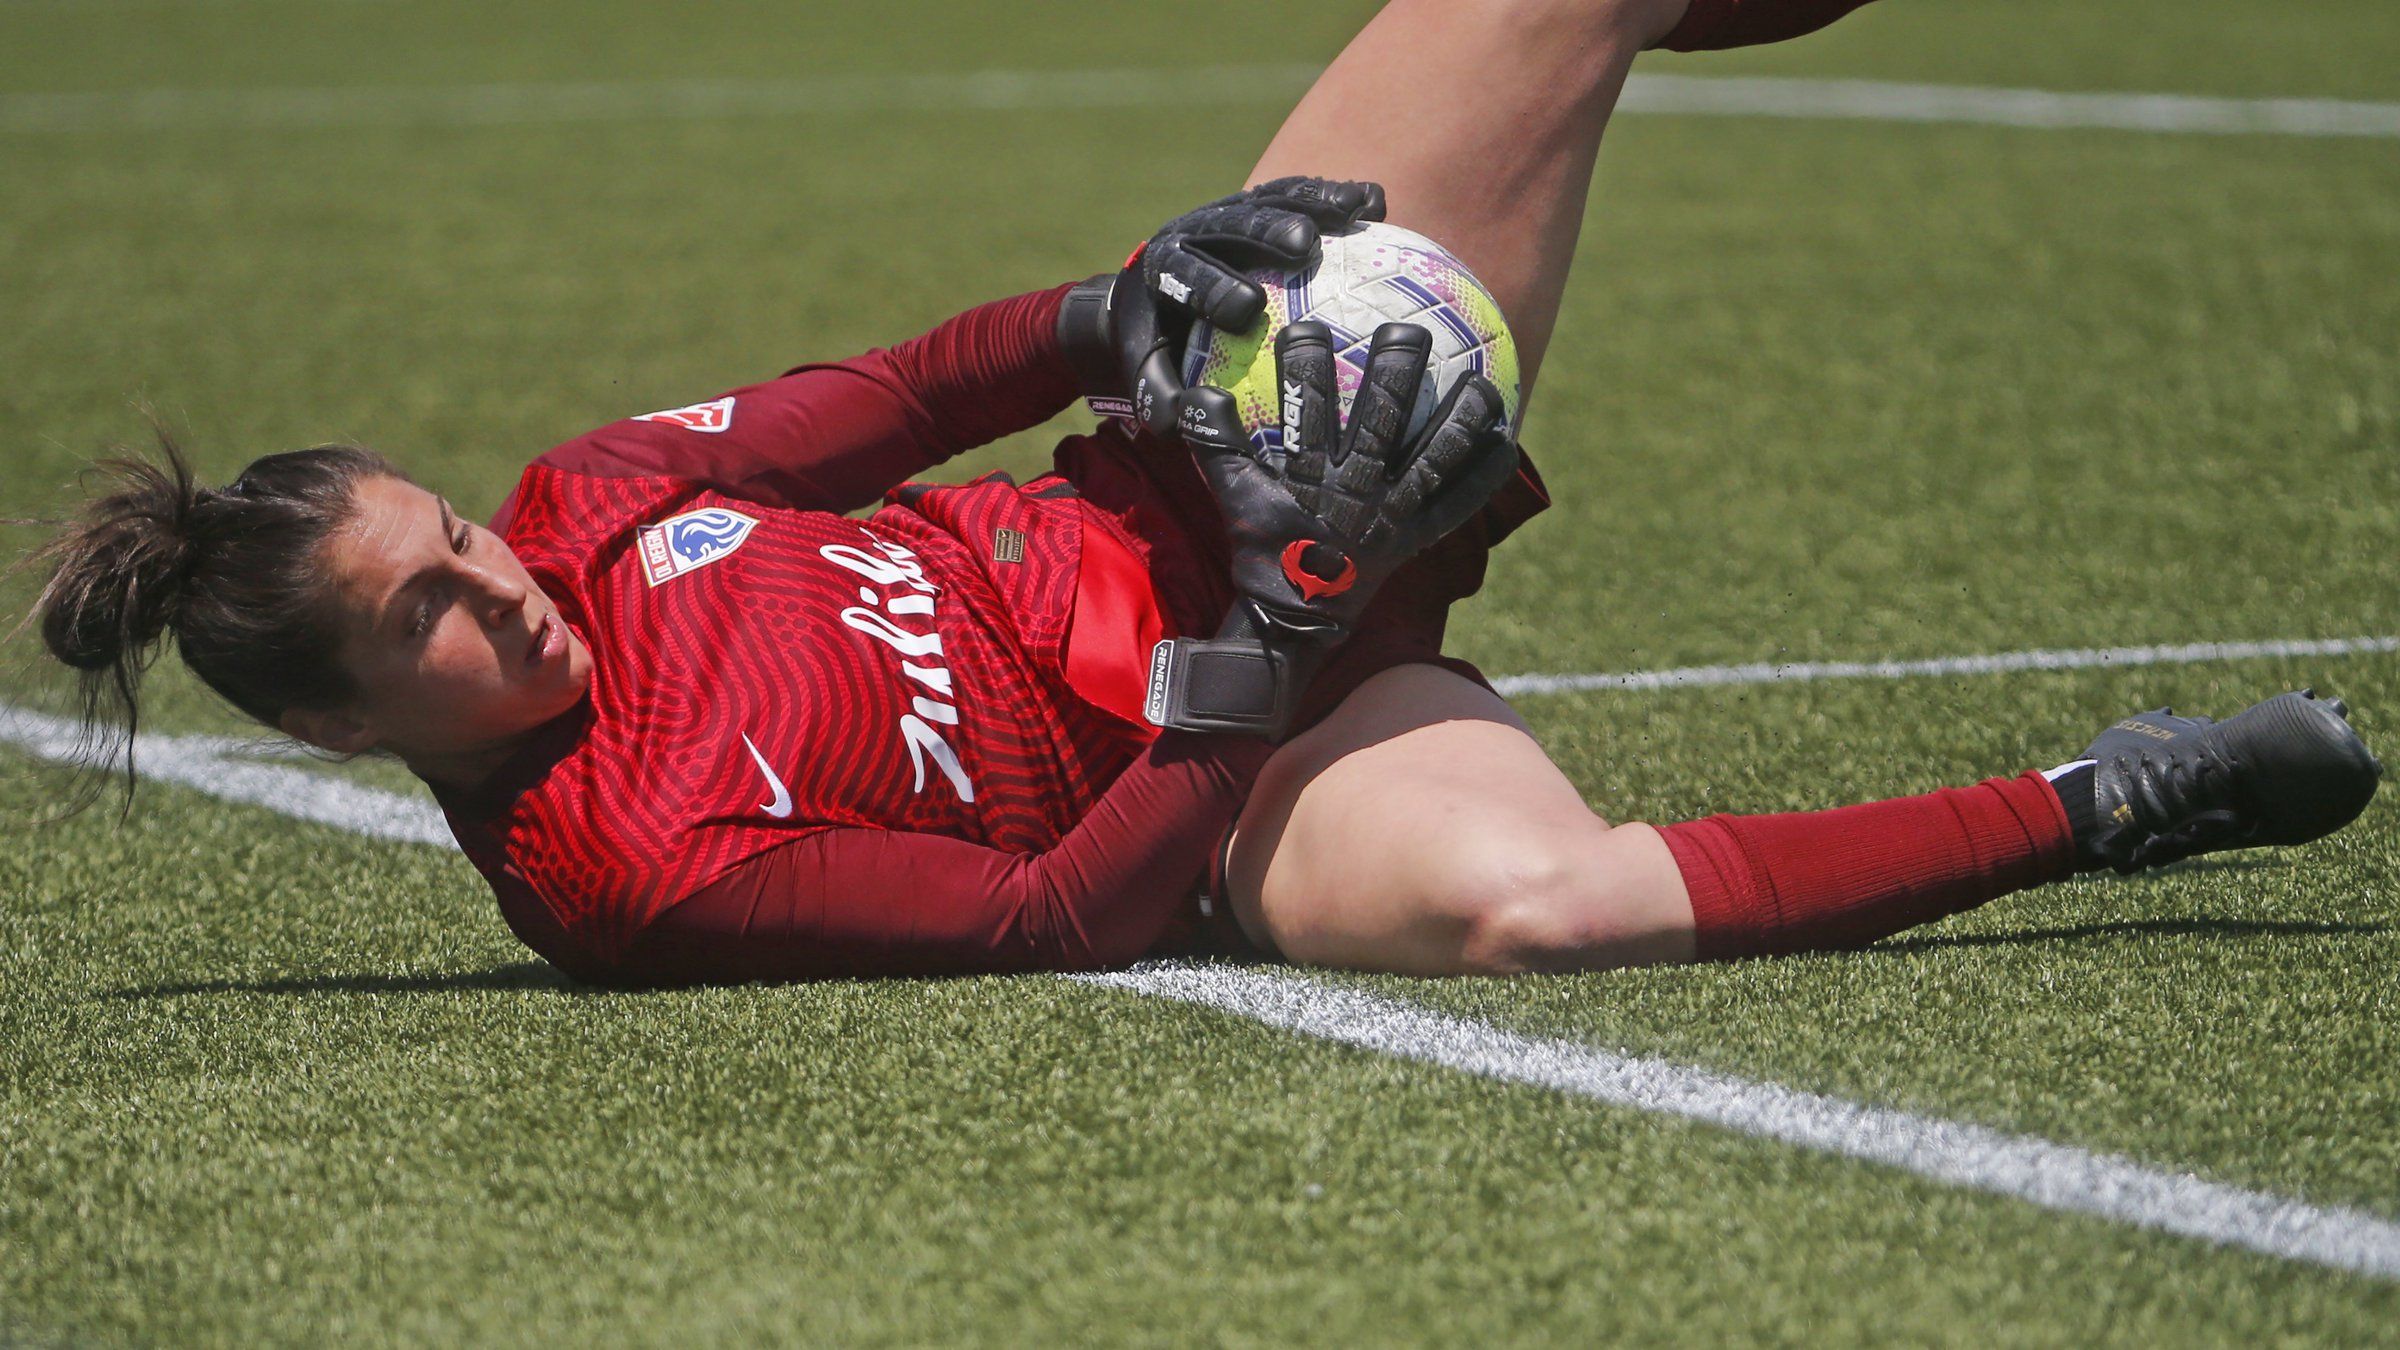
x=893 y=566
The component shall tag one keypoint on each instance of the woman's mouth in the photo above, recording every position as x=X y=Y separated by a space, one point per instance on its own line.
x=549 y=639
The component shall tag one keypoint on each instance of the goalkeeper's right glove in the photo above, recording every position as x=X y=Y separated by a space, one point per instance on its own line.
x=1318 y=522
x=1125 y=331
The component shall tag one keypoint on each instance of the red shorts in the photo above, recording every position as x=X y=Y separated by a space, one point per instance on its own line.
x=1155 y=565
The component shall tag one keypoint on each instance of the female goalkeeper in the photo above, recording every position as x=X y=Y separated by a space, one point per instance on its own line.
x=694 y=723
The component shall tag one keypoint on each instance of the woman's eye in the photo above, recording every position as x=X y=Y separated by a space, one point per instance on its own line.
x=423 y=623
x=466 y=536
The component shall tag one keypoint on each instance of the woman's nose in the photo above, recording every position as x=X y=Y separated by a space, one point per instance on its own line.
x=503 y=596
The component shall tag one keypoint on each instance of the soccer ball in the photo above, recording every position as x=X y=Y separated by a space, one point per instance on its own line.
x=1375 y=274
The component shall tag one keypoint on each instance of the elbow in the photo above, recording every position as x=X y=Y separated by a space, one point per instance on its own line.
x=1086 y=931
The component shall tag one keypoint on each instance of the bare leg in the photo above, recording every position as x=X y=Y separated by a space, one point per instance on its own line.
x=1421 y=830
x=1482 y=121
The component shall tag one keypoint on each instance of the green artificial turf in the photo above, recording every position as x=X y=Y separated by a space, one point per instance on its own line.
x=1822 y=391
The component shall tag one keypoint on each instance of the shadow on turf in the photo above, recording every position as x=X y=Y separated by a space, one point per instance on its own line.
x=516 y=975
x=533 y=975
x=2213 y=928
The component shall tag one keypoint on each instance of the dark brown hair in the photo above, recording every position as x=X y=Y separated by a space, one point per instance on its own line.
x=234 y=575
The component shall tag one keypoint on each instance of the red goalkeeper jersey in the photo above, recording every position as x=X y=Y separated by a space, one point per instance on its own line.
x=870 y=722
x=822 y=745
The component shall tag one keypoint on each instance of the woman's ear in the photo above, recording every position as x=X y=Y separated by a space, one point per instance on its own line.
x=335 y=731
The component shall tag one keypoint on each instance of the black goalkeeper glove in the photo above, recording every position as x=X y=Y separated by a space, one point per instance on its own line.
x=1318 y=523
x=1125 y=331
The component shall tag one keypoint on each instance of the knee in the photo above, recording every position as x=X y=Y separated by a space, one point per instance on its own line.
x=1526 y=901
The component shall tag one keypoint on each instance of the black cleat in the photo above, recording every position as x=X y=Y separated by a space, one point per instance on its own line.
x=2167 y=788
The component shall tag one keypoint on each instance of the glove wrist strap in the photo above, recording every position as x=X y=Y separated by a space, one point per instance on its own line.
x=1246 y=681
x=1235 y=685
x=1091 y=351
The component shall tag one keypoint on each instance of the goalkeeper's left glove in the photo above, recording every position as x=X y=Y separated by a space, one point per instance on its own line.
x=1316 y=526
x=1125 y=331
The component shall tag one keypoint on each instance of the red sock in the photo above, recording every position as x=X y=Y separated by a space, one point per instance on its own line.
x=1768 y=885
x=1711 y=24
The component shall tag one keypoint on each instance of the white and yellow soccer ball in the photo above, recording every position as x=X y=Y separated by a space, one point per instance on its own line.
x=1375 y=274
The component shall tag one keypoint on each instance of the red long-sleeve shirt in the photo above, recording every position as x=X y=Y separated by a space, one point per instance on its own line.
x=818 y=746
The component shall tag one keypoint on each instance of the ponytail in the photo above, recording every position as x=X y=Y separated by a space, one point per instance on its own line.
x=234 y=576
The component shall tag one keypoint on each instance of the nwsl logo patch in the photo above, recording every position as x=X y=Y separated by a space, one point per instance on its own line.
x=714 y=415
x=679 y=544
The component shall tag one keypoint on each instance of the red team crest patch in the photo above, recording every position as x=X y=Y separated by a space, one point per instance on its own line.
x=694 y=539
x=714 y=415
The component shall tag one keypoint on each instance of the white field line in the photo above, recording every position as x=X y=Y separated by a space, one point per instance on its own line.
x=2054 y=1176
x=2071 y=658
x=1134 y=87
x=1877 y=101
x=648 y=100
x=234 y=771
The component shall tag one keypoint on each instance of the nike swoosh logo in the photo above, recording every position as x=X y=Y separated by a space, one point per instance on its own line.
x=780 y=805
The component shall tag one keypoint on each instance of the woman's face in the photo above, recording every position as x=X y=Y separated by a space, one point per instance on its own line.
x=455 y=650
